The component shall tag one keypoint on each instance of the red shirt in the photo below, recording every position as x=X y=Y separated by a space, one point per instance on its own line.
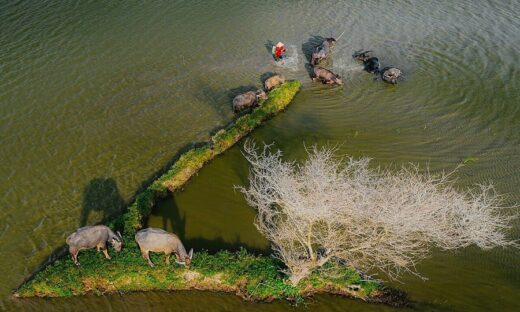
x=278 y=51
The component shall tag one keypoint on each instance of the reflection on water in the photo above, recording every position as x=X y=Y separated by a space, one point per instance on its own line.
x=96 y=98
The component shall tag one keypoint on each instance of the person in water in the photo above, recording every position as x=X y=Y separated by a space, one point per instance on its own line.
x=278 y=51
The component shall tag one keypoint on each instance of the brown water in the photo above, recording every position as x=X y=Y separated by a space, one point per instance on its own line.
x=97 y=98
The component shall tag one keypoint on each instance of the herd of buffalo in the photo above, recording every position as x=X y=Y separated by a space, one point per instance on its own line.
x=320 y=53
x=149 y=239
x=158 y=240
x=370 y=63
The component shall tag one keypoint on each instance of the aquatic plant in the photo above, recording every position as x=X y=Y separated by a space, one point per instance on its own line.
x=338 y=210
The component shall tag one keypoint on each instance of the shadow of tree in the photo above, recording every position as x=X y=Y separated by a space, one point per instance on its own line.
x=101 y=195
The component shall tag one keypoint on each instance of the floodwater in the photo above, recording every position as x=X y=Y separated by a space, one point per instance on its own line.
x=97 y=98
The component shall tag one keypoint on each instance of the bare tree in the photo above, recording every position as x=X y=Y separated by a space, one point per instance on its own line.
x=338 y=209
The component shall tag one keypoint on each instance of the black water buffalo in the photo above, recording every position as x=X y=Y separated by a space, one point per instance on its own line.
x=370 y=63
x=248 y=100
x=325 y=76
x=323 y=51
x=391 y=74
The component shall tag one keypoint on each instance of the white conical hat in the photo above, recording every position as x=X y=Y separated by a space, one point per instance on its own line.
x=279 y=44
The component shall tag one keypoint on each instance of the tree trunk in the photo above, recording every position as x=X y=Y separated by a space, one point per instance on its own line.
x=297 y=276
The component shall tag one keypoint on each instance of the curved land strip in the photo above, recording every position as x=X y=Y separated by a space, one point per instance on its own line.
x=250 y=276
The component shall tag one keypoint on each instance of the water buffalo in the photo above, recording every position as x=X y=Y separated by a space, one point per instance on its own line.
x=361 y=55
x=323 y=51
x=273 y=81
x=325 y=76
x=370 y=63
x=93 y=236
x=158 y=240
x=390 y=74
x=247 y=100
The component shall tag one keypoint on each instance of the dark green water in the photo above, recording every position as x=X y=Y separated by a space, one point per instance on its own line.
x=97 y=97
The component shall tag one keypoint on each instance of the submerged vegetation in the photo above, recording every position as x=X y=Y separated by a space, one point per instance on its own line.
x=249 y=276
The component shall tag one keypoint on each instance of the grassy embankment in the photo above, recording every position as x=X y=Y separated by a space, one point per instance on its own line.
x=249 y=276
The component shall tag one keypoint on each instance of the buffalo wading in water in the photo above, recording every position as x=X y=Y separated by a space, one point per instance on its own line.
x=391 y=74
x=93 y=236
x=273 y=81
x=158 y=240
x=370 y=63
x=325 y=76
x=323 y=51
x=248 y=100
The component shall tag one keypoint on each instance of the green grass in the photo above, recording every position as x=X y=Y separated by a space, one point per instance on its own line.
x=253 y=277
x=249 y=276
